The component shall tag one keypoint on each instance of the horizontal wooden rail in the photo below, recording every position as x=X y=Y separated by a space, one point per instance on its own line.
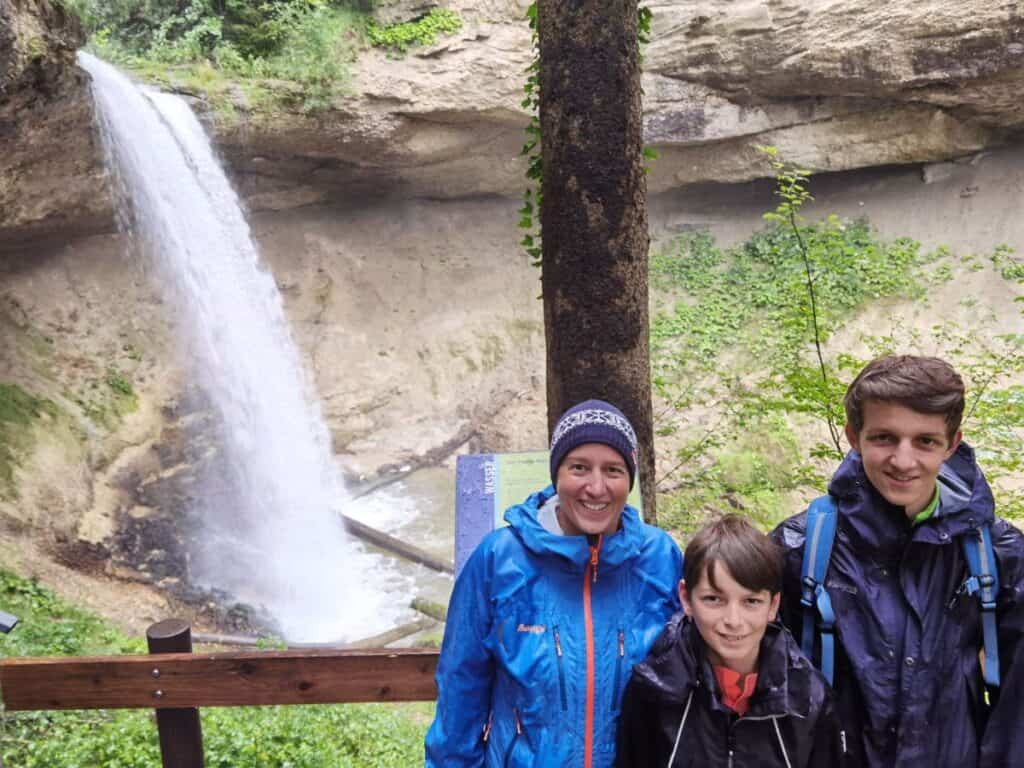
x=218 y=679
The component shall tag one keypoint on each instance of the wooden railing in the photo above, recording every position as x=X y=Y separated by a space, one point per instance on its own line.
x=176 y=682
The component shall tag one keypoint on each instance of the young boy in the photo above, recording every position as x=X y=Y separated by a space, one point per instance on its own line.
x=907 y=674
x=724 y=685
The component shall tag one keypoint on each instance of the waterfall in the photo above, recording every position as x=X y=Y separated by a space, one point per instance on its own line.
x=271 y=533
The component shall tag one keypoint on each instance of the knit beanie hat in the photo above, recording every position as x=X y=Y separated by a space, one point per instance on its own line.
x=593 y=421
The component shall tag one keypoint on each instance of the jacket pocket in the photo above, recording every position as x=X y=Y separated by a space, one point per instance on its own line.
x=561 y=670
x=620 y=654
x=526 y=651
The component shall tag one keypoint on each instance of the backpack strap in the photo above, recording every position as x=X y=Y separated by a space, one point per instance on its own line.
x=984 y=582
x=821 y=531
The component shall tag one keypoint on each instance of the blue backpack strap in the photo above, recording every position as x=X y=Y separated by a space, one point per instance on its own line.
x=984 y=582
x=821 y=532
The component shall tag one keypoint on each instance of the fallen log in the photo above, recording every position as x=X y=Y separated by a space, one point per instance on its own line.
x=390 y=543
x=380 y=640
x=393 y=635
x=430 y=608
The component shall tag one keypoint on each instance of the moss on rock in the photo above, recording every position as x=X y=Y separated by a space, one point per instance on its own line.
x=19 y=412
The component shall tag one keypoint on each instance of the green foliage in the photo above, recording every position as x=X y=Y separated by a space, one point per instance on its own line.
x=735 y=337
x=316 y=52
x=117 y=382
x=791 y=187
x=204 y=43
x=754 y=295
x=754 y=470
x=643 y=24
x=1011 y=267
x=375 y=736
x=19 y=410
x=106 y=401
x=422 y=31
x=272 y=643
x=51 y=627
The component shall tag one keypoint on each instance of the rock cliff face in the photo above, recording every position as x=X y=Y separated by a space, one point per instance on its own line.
x=49 y=168
x=835 y=86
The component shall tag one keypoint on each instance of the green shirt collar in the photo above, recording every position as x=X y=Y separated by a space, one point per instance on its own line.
x=929 y=510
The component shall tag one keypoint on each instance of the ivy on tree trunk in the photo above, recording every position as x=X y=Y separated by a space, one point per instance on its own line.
x=594 y=217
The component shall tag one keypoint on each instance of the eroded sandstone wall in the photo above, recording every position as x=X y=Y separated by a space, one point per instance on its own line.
x=52 y=184
x=836 y=86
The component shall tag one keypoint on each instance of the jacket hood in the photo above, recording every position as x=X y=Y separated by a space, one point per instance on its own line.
x=616 y=548
x=965 y=501
x=678 y=663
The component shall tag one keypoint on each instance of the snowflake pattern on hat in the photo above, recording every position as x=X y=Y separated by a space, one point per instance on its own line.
x=593 y=416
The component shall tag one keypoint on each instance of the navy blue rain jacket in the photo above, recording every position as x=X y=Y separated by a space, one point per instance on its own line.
x=908 y=678
x=673 y=710
x=513 y=674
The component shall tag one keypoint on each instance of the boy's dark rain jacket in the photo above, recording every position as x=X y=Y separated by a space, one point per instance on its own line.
x=908 y=678
x=791 y=709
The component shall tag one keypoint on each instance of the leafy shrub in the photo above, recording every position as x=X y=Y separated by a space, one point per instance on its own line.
x=308 y=42
x=733 y=339
x=422 y=31
x=316 y=53
x=751 y=468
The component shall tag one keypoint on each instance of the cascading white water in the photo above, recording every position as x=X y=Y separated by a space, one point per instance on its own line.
x=272 y=535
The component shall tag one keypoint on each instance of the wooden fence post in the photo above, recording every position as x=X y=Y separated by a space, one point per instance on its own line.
x=181 y=735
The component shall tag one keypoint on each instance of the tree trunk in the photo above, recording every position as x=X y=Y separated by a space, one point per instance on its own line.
x=594 y=215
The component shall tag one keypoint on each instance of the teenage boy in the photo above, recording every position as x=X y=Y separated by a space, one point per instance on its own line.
x=724 y=685
x=908 y=630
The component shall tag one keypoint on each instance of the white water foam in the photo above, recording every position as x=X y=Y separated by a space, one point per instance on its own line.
x=271 y=533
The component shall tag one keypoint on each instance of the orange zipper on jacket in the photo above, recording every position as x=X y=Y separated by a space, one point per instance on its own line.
x=589 y=576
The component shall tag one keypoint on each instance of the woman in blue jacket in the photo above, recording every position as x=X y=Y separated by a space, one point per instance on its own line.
x=550 y=614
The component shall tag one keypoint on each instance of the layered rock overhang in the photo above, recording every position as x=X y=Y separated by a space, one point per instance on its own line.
x=835 y=86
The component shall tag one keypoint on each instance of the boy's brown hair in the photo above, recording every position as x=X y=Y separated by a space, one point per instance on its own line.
x=922 y=384
x=753 y=560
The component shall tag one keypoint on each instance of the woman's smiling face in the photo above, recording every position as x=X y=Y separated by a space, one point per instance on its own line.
x=731 y=619
x=592 y=485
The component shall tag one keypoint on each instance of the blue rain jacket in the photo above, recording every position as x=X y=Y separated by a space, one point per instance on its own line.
x=908 y=679
x=512 y=678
